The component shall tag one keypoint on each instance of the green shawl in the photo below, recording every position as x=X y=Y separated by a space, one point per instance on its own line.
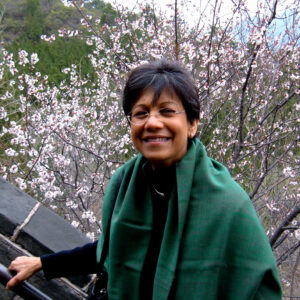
x=213 y=247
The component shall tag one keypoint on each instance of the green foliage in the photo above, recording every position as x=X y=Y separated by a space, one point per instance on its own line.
x=56 y=56
x=26 y=20
x=56 y=18
x=105 y=11
x=34 y=20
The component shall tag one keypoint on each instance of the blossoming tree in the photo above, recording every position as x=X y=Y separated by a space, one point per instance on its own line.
x=62 y=143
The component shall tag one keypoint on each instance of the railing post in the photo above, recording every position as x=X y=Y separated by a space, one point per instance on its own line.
x=24 y=289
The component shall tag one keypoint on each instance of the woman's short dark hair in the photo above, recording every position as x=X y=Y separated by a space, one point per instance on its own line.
x=159 y=76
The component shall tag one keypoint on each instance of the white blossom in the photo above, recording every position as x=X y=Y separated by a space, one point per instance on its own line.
x=11 y=152
x=34 y=58
x=13 y=169
x=75 y=224
x=23 y=60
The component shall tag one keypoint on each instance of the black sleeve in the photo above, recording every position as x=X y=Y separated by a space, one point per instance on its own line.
x=77 y=261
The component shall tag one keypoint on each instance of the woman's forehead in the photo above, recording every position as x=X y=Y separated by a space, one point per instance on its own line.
x=148 y=97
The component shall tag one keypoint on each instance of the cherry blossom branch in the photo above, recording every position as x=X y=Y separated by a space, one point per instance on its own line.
x=287 y=253
x=100 y=37
x=280 y=229
x=84 y=149
x=37 y=159
x=242 y=116
x=282 y=238
x=176 y=31
x=268 y=169
x=212 y=31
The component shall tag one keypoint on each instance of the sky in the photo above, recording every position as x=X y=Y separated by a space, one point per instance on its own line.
x=162 y=4
x=226 y=10
x=251 y=4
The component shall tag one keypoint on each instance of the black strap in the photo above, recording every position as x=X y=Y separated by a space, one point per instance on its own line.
x=106 y=238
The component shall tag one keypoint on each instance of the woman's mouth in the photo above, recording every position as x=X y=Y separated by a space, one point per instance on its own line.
x=156 y=139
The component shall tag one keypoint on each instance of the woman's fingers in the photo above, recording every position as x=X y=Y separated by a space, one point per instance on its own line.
x=24 y=267
x=13 y=282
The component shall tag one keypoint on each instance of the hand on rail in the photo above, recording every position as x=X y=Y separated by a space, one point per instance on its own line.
x=25 y=267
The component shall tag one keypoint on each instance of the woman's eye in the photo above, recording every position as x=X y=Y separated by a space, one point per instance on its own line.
x=140 y=114
x=167 y=112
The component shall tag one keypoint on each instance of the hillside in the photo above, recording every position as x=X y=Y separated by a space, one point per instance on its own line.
x=52 y=13
x=24 y=21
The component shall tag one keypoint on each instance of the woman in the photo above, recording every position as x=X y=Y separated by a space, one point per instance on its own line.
x=181 y=227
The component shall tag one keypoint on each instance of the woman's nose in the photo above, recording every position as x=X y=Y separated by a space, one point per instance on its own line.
x=153 y=121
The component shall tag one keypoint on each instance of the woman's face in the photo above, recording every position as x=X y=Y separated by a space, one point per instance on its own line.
x=163 y=141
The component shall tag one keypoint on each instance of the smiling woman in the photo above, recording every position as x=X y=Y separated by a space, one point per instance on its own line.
x=162 y=106
x=175 y=224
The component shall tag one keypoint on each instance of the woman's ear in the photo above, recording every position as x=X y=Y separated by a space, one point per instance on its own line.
x=193 y=128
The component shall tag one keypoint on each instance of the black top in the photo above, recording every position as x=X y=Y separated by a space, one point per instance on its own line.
x=161 y=182
x=77 y=261
x=82 y=260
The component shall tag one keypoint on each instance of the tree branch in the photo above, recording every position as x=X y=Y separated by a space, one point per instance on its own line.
x=285 y=223
x=176 y=32
x=287 y=254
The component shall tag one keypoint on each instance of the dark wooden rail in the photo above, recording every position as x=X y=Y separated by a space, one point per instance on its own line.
x=24 y=289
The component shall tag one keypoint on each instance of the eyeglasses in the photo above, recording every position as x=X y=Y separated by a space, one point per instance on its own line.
x=140 y=117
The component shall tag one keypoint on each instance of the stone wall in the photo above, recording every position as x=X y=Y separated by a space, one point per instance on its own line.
x=28 y=228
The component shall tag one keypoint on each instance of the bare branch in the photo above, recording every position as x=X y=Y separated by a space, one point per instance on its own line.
x=287 y=254
x=280 y=229
x=176 y=32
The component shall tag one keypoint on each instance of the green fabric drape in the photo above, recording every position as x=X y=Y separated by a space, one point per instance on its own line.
x=213 y=247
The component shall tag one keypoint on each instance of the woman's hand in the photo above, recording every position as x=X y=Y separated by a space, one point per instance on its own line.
x=25 y=267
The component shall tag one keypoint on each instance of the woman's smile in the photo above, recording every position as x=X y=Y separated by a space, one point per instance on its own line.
x=156 y=139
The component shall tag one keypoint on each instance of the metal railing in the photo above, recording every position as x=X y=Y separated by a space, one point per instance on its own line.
x=24 y=289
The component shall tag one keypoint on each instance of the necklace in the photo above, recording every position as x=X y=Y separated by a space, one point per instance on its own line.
x=158 y=192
